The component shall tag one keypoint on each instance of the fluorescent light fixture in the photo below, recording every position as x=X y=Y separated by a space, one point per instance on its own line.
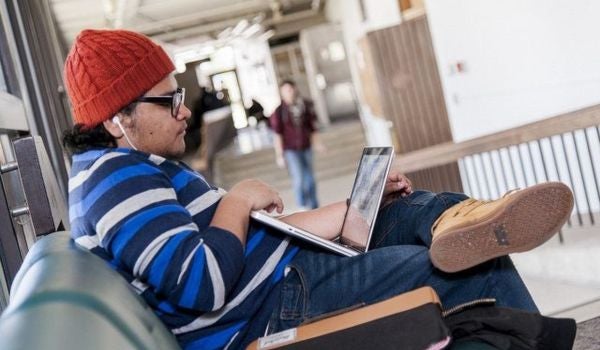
x=239 y=28
x=267 y=35
x=193 y=53
x=250 y=31
x=259 y=18
x=225 y=33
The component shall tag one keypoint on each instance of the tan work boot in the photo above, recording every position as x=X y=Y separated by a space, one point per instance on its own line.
x=473 y=231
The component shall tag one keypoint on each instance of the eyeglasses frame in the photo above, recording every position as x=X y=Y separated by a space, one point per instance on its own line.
x=166 y=100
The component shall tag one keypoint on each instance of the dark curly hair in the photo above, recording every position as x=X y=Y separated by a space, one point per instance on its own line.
x=81 y=138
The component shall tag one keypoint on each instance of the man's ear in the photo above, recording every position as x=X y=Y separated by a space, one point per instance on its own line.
x=113 y=128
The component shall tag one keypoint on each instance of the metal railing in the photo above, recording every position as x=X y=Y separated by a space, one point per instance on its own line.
x=564 y=148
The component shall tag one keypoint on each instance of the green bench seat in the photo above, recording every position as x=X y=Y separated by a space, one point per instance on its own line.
x=64 y=297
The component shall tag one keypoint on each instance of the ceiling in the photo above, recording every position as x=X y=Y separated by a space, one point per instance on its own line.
x=175 y=20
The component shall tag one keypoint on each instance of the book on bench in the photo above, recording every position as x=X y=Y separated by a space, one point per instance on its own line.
x=412 y=320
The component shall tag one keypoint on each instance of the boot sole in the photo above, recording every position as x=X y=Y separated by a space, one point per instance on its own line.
x=530 y=218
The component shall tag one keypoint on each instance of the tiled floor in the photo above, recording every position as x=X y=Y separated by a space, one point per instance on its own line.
x=564 y=278
x=555 y=298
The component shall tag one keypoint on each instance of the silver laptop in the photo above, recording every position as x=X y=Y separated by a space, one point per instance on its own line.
x=360 y=216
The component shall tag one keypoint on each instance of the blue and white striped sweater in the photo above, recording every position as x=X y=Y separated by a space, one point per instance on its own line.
x=149 y=218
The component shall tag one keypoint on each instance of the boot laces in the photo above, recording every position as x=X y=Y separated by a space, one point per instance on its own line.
x=472 y=204
x=464 y=208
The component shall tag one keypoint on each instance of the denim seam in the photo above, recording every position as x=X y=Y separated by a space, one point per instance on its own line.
x=292 y=313
x=295 y=314
x=443 y=200
x=305 y=296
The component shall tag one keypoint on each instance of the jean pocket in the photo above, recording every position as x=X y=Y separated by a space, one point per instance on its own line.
x=292 y=297
x=419 y=198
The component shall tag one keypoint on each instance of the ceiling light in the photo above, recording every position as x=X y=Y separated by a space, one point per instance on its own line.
x=239 y=28
x=267 y=35
x=250 y=31
x=225 y=33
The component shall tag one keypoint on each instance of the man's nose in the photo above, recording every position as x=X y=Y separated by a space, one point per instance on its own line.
x=184 y=112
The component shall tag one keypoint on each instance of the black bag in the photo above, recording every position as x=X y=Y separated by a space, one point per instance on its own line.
x=509 y=329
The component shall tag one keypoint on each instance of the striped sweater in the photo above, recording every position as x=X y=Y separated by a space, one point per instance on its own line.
x=149 y=218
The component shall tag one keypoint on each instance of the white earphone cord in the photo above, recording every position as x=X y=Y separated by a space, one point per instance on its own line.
x=118 y=122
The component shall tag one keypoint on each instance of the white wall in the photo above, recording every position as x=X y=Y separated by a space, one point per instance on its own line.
x=256 y=74
x=379 y=14
x=524 y=60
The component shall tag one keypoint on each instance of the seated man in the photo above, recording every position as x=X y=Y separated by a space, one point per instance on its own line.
x=218 y=280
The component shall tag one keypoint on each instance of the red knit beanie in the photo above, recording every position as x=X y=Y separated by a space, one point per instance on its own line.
x=108 y=69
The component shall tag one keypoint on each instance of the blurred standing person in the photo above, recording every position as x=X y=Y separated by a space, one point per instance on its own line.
x=293 y=122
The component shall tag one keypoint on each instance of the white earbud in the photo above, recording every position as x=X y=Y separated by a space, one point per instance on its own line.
x=117 y=120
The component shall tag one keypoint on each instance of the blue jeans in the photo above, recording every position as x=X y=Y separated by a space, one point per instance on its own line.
x=319 y=283
x=299 y=164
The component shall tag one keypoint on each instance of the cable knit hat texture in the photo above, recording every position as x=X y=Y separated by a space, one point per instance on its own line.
x=108 y=69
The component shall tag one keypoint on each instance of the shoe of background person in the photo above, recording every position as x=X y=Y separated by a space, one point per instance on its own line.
x=474 y=231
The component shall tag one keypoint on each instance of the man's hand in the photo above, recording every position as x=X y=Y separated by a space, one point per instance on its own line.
x=320 y=148
x=278 y=145
x=397 y=184
x=233 y=211
x=280 y=160
x=317 y=144
x=257 y=195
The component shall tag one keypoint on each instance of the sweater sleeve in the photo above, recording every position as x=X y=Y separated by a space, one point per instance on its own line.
x=134 y=211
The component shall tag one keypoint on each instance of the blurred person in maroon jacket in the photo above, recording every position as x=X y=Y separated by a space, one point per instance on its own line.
x=293 y=122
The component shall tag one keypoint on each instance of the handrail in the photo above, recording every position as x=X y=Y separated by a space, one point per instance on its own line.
x=449 y=152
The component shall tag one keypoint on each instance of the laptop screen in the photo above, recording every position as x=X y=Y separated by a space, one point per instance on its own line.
x=366 y=196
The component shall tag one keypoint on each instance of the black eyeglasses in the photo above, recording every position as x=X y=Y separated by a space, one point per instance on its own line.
x=174 y=100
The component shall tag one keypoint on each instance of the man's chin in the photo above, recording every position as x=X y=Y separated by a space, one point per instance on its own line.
x=176 y=153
